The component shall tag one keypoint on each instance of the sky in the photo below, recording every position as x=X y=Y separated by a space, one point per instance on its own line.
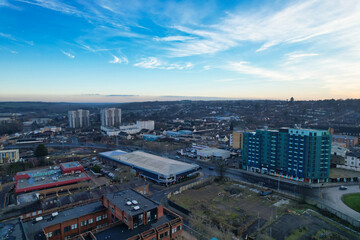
x=124 y=51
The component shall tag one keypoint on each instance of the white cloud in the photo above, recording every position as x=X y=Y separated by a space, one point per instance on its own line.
x=154 y=63
x=295 y=55
x=305 y=21
x=245 y=68
x=68 y=54
x=11 y=37
x=173 y=38
x=207 y=67
x=121 y=59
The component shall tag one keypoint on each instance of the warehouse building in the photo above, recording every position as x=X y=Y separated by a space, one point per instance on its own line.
x=207 y=154
x=159 y=169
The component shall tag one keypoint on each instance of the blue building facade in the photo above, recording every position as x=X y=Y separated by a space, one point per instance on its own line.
x=299 y=154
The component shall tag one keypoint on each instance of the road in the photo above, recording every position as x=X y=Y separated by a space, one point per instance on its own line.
x=3 y=193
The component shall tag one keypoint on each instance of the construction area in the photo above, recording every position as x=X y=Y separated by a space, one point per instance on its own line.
x=228 y=209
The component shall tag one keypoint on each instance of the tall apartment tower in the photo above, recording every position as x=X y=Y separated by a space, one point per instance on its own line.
x=79 y=118
x=110 y=117
x=299 y=154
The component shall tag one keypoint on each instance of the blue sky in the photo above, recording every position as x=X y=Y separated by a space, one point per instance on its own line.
x=115 y=51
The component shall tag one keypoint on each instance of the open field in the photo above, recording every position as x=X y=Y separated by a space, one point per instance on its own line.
x=343 y=173
x=230 y=208
x=352 y=200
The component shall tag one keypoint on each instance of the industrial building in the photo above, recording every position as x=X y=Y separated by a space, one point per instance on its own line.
x=120 y=215
x=110 y=117
x=207 y=154
x=298 y=154
x=52 y=180
x=9 y=156
x=159 y=169
x=79 y=118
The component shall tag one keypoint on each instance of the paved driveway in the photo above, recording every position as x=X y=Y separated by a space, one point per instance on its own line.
x=332 y=197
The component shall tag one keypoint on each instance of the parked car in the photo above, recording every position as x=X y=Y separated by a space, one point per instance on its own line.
x=211 y=168
x=342 y=187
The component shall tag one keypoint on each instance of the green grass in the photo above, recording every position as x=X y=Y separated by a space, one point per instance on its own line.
x=296 y=234
x=352 y=200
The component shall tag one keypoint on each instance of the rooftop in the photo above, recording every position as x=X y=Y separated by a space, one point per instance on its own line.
x=70 y=165
x=151 y=163
x=128 y=199
x=123 y=232
x=34 y=228
x=12 y=229
x=45 y=178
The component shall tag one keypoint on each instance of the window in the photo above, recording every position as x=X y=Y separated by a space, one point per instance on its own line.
x=49 y=234
x=179 y=228
x=161 y=235
x=67 y=228
x=67 y=237
x=125 y=219
x=174 y=230
x=166 y=234
x=57 y=232
x=90 y=220
x=98 y=218
x=74 y=226
x=83 y=223
x=104 y=216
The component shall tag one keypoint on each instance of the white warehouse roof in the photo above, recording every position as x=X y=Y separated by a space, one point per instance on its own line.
x=151 y=163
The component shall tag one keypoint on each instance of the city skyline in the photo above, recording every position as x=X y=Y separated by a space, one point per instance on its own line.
x=106 y=51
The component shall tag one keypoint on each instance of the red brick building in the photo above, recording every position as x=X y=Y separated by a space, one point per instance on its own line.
x=122 y=215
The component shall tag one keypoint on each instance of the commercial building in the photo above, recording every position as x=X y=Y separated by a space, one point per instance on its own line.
x=120 y=215
x=236 y=139
x=9 y=156
x=148 y=125
x=298 y=154
x=207 y=154
x=110 y=117
x=52 y=180
x=349 y=141
x=338 y=150
x=79 y=118
x=159 y=169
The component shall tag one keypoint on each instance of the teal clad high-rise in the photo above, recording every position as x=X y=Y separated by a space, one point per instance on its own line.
x=301 y=154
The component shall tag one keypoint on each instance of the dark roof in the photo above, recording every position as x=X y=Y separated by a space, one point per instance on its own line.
x=123 y=232
x=353 y=154
x=12 y=229
x=121 y=198
x=33 y=229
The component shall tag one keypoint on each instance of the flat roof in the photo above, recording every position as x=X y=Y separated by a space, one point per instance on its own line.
x=32 y=229
x=12 y=229
x=45 y=178
x=70 y=165
x=121 y=198
x=152 y=163
x=123 y=232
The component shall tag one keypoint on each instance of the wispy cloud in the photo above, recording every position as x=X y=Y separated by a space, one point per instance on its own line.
x=12 y=38
x=173 y=38
x=68 y=54
x=120 y=59
x=5 y=3
x=304 y=21
x=246 y=68
x=296 y=55
x=154 y=63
